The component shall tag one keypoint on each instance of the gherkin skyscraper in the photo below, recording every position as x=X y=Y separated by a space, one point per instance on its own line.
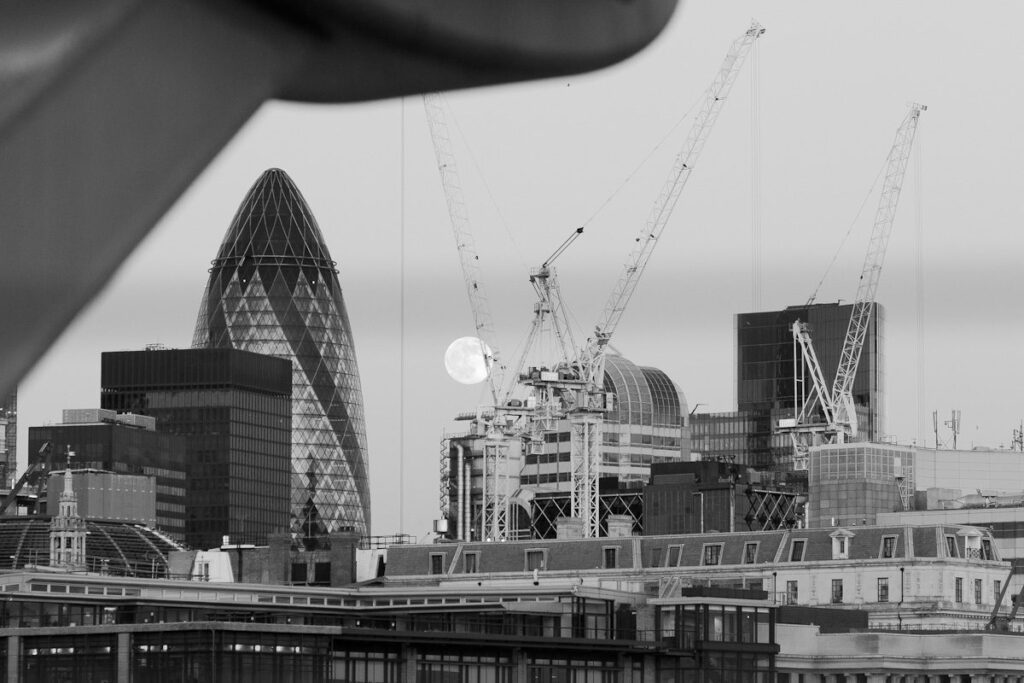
x=274 y=289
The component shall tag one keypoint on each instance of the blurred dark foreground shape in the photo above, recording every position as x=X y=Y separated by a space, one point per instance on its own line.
x=110 y=108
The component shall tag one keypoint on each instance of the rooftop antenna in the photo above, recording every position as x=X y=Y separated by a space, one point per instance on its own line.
x=954 y=425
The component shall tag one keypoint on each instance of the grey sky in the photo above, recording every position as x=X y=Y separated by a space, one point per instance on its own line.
x=835 y=79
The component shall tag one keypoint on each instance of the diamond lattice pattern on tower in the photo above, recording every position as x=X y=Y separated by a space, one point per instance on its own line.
x=274 y=289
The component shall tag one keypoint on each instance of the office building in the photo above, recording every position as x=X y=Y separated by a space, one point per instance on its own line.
x=765 y=372
x=8 y=438
x=67 y=627
x=646 y=425
x=968 y=471
x=274 y=289
x=700 y=497
x=122 y=445
x=740 y=437
x=852 y=483
x=234 y=410
x=110 y=496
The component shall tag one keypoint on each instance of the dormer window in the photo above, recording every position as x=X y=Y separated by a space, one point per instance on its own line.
x=841 y=539
x=750 y=553
x=972 y=543
x=712 y=554
x=951 y=547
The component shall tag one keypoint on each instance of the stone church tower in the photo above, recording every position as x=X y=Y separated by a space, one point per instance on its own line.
x=67 y=529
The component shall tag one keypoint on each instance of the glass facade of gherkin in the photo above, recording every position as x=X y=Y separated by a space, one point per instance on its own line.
x=274 y=289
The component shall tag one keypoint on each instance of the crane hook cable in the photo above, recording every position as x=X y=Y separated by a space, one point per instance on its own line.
x=644 y=161
x=483 y=179
x=849 y=230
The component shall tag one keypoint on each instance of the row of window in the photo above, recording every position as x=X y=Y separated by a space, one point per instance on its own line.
x=711 y=555
x=683 y=626
x=545 y=458
x=958 y=590
x=841 y=547
x=533 y=559
x=550 y=478
x=974 y=548
x=882 y=590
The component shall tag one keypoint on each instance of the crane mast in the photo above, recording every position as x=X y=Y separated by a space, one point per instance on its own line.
x=837 y=405
x=896 y=169
x=468 y=258
x=647 y=239
x=496 y=477
x=819 y=395
x=587 y=416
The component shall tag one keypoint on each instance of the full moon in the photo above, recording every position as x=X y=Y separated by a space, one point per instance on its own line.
x=467 y=360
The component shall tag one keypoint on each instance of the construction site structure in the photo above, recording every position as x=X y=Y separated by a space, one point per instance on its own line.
x=645 y=427
x=570 y=387
x=828 y=415
x=32 y=475
x=584 y=402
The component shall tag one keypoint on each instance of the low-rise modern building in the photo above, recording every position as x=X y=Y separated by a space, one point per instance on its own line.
x=108 y=495
x=851 y=483
x=699 y=497
x=742 y=437
x=985 y=469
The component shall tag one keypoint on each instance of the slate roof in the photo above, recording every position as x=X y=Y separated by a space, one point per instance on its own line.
x=865 y=543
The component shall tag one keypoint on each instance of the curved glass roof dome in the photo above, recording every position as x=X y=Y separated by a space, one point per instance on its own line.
x=643 y=395
x=118 y=548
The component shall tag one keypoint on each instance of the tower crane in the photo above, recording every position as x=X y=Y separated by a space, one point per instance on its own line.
x=497 y=479
x=468 y=258
x=573 y=388
x=837 y=405
x=587 y=415
x=549 y=308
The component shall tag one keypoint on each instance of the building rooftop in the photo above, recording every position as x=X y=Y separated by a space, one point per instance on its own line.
x=712 y=551
x=117 y=548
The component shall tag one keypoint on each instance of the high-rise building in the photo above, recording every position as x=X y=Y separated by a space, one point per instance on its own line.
x=102 y=440
x=765 y=384
x=8 y=438
x=234 y=407
x=274 y=289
